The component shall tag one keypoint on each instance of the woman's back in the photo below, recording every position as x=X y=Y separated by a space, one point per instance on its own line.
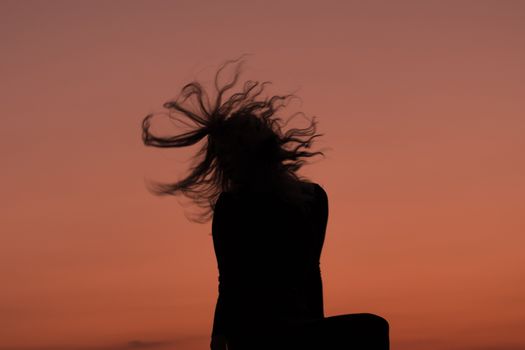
x=268 y=252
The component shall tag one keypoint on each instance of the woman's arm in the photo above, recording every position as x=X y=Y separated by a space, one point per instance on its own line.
x=315 y=284
x=218 y=337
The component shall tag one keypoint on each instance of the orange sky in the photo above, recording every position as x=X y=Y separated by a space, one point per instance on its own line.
x=422 y=106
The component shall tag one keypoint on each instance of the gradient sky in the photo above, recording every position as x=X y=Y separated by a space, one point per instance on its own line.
x=422 y=104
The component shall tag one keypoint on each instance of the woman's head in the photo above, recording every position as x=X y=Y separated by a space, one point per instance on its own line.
x=245 y=145
x=246 y=148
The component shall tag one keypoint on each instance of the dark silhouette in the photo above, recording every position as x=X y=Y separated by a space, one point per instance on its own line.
x=268 y=223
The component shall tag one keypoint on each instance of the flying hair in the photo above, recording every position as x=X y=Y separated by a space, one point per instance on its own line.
x=244 y=144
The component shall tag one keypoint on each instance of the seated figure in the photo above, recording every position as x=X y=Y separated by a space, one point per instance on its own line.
x=268 y=223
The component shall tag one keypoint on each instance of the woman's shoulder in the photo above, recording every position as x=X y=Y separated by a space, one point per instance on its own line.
x=314 y=188
x=310 y=188
x=320 y=192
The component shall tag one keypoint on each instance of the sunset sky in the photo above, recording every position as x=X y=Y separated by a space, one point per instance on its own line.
x=422 y=107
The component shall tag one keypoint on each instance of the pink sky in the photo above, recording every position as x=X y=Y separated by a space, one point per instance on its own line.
x=422 y=106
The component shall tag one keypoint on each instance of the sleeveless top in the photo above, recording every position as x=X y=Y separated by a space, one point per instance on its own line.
x=268 y=255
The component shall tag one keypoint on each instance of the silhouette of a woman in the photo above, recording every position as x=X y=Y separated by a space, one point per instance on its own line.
x=268 y=223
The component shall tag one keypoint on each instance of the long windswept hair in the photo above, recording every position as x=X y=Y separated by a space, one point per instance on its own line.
x=244 y=139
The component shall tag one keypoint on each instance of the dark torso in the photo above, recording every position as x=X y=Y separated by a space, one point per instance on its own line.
x=268 y=252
